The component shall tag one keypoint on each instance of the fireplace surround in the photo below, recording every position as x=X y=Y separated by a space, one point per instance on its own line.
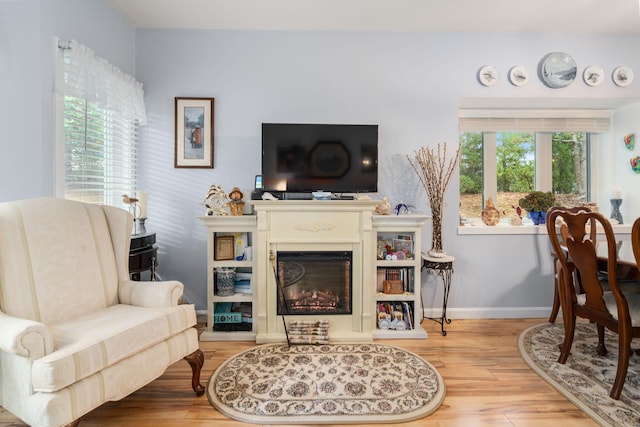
x=291 y=227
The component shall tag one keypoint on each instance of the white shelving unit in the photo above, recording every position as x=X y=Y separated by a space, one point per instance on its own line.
x=388 y=228
x=243 y=231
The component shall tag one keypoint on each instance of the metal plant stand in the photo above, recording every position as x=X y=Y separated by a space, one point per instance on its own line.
x=443 y=267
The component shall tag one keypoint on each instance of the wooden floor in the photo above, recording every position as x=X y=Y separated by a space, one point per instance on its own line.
x=487 y=383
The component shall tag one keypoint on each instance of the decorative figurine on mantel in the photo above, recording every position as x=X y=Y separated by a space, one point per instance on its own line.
x=236 y=205
x=384 y=207
x=215 y=201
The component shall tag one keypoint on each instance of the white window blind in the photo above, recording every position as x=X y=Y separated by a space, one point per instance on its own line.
x=102 y=108
x=534 y=120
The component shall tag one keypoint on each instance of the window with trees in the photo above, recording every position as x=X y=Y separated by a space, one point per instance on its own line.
x=506 y=165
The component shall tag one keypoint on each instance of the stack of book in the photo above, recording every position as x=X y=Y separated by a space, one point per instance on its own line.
x=308 y=331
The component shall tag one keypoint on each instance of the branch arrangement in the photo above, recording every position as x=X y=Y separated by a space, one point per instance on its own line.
x=435 y=172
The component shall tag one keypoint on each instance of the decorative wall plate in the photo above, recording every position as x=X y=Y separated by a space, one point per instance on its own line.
x=518 y=75
x=488 y=75
x=557 y=70
x=622 y=76
x=593 y=75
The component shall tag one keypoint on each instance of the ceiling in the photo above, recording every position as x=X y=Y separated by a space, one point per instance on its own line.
x=560 y=16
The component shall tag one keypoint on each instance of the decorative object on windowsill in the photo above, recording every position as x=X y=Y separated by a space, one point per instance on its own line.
x=557 y=70
x=635 y=164
x=236 y=205
x=215 y=201
x=517 y=218
x=490 y=215
x=384 y=207
x=435 y=172
x=616 y=201
x=537 y=203
x=622 y=76
x=630 y=141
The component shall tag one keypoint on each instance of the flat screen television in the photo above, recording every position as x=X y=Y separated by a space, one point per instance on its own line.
x=303 y=158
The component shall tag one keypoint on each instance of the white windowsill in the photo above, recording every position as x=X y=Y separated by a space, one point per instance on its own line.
x=523 y=229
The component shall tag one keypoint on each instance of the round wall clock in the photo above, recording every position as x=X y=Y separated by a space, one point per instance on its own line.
x=593 y=75
x=557 y=70
x=488 y=75
x=622 y=76
x=518 y=75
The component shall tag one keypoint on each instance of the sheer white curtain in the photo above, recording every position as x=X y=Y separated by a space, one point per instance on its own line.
x=102 y=108
x=94 y=79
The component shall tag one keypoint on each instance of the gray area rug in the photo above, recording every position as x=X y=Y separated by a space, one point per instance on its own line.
x=586 y=378
x=326 y=384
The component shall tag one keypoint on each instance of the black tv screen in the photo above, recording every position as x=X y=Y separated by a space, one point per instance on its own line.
x=304 y=158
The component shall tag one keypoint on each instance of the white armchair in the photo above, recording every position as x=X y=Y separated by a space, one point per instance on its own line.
x=75 y=331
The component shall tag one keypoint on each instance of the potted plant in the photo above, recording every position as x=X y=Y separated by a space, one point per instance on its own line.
x=537 y=203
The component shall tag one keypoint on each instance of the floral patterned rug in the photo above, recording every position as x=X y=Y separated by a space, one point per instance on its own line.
x=586 y=378
x=326 y=384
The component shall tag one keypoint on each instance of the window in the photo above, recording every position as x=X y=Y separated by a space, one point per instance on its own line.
x=507 y=164
x=102 y=108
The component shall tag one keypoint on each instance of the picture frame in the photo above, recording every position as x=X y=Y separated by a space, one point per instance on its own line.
x=194 y=132
x=405 y=246
x=224 y=248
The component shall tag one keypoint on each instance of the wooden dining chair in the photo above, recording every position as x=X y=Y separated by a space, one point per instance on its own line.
x=581 y=290
x=555 y=309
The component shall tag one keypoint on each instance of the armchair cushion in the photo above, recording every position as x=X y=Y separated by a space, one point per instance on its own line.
x=91 y=343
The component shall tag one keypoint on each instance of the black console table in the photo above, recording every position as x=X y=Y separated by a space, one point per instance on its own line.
x=143 y=255
x=444 y=268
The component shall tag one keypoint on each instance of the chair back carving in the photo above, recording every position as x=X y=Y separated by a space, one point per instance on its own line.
x=578 y=251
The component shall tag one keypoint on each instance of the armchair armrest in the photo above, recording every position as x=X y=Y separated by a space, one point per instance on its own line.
x=24 y=337
x=150 y=294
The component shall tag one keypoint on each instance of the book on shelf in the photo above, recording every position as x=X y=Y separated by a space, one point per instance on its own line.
x=391 y=313
x=402 y=274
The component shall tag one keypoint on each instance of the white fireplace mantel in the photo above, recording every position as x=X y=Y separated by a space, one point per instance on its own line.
x=324 y=225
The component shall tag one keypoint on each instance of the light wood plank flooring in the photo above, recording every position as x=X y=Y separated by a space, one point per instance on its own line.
x=487 y=383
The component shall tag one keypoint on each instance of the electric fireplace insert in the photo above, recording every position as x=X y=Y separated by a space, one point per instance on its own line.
x=314 y=282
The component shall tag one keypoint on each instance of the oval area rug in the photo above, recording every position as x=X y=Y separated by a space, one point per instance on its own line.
x=326 y=384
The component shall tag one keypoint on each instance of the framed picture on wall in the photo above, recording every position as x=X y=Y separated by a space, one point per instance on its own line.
x=194 y=133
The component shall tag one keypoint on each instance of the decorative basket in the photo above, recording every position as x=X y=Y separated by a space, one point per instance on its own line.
x=225 y=281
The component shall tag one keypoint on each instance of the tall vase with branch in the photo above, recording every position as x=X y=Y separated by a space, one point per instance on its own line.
x=435 y=171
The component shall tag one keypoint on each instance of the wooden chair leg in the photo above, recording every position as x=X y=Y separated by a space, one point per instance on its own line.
x=556 y=297
x=624 y=352
x=196 y=360
x=601 y=349
x=569 y=320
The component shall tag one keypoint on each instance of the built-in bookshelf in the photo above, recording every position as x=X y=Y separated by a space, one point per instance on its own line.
x=231 y=286
x=398 y=278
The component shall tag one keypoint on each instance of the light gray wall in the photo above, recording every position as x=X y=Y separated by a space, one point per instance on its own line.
x=408 y=83
x=27 y=52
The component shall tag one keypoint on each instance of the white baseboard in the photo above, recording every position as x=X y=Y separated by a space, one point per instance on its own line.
x=491 y=312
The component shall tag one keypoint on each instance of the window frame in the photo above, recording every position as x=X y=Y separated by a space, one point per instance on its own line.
x=543 y=123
